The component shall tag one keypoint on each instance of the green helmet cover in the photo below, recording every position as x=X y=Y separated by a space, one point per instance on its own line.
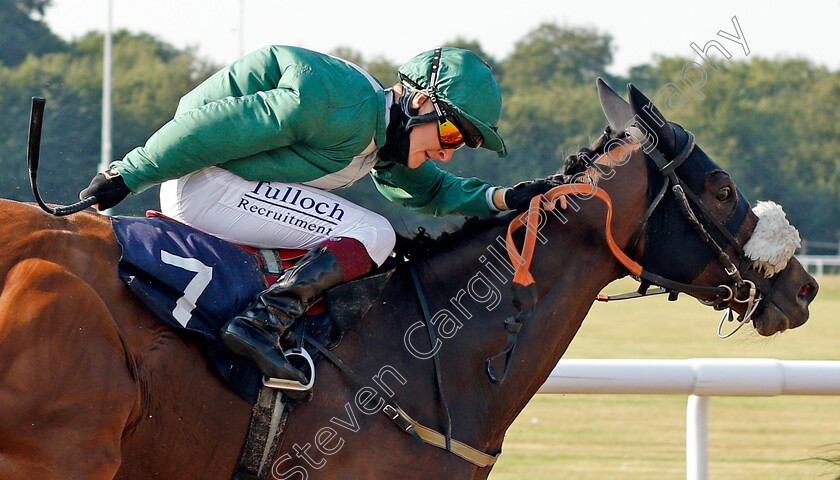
x=466 y=83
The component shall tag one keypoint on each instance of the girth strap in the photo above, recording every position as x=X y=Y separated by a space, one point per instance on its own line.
x=437 y=439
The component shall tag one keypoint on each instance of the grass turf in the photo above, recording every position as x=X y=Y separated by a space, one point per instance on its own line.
x=642 y=437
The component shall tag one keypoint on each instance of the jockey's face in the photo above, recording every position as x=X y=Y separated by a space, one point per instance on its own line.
x=424 y=143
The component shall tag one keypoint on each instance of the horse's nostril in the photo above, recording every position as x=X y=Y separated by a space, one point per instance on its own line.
x=808 y=292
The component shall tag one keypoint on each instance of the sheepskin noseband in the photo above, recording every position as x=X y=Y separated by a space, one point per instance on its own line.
x=773 y=241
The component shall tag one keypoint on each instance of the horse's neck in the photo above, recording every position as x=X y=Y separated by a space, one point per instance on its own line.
x=569 y=275
x=570 y=269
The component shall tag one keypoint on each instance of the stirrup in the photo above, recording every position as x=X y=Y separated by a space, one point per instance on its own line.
x=286 y=384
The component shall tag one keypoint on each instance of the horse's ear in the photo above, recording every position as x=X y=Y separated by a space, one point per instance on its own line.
x=651 y=120
x=617 y=110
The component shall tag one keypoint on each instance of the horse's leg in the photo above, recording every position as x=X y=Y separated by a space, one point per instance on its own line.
x=66 y=391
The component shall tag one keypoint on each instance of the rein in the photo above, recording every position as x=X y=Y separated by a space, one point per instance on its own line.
x=525 y=294
x=522 y=260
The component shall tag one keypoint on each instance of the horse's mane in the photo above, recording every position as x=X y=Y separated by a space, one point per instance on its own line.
x=580 y=161
x=421 y=245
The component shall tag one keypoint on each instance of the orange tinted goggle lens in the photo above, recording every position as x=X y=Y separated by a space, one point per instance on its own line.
x=450 y=136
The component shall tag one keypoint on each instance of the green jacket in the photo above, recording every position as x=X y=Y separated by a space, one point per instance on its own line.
x=288 y=114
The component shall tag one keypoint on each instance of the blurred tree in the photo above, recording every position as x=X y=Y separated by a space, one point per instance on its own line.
x=773 y=125
x=348 y=54
x=642 y=77
x=552 y=54
x=381 y=68
x=474 y=46
x=550 y=105
x=33 y=7
x=545 y=125
x=20 y=34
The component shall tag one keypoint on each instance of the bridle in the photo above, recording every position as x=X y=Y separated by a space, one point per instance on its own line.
x=738 y=290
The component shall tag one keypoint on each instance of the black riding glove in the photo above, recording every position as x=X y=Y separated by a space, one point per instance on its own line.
x=109 y=187
x=519 y=196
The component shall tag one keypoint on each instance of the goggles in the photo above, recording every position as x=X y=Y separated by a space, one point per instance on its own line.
x=454 y=131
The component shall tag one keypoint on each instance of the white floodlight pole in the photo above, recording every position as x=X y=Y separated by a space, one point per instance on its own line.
x=241 y=28
x=107 y=70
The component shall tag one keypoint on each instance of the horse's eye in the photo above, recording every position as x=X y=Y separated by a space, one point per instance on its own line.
x=724 y=194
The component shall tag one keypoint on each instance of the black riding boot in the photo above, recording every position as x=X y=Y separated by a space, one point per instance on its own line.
x=256 y=332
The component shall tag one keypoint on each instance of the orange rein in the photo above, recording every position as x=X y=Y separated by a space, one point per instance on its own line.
x=521 y=261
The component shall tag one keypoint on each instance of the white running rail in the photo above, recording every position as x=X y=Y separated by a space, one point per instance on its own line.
x=700 y=378
x=819 y=262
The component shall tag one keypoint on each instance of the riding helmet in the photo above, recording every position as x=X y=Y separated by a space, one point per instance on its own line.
x=466 y=83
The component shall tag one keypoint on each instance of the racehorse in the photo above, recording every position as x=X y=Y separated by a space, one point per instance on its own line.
x=94 y=386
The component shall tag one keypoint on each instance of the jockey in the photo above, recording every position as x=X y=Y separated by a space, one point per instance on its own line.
x=254 y=151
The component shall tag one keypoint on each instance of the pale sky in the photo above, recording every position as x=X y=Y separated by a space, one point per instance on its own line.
x=397 y=30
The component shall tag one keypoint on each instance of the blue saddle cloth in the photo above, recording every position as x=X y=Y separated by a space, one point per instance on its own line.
x=192 y=281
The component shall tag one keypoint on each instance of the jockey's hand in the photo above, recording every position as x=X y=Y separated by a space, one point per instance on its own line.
x=109 y=187
x=519 y=196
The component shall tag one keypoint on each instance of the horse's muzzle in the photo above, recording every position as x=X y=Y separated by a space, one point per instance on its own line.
x=788 y=304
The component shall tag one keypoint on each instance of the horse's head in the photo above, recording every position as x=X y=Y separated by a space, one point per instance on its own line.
x=700 y=231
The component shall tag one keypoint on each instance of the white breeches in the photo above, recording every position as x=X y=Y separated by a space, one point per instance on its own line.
x=271 y=214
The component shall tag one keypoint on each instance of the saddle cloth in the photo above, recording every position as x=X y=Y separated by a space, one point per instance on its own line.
x=196 y=282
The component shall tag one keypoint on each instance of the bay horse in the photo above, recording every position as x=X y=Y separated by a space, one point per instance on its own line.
x=94 y=386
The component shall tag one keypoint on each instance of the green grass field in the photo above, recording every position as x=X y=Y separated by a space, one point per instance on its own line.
x=642 y=437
